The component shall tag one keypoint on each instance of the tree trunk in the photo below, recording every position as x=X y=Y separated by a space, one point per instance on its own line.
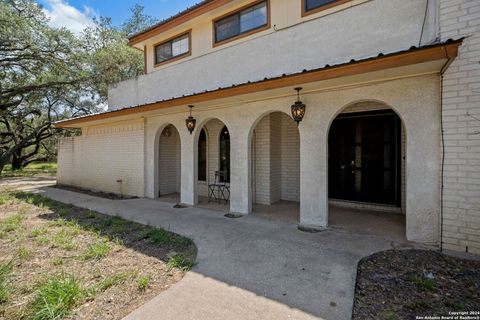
x=17 y=161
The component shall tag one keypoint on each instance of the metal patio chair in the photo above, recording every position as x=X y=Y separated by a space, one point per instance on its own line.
x=220 y=189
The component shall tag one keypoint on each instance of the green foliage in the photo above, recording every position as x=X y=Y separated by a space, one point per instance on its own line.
x=180 y=261
x=423 y=283
x=31 y=170
x=64 y=239
x=418 y=306
x=49 y=74
x=5 y=271
x=163 y=237
x=143 y=283
x=115 y=280
x=24 y=253
x=387 y=315
x=57 y=297
x=96 y=251
x=11 y=223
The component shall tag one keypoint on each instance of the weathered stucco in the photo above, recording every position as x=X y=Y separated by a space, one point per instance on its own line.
x=360 y=31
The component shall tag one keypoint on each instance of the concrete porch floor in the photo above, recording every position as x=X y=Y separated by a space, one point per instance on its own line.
x=341 y=218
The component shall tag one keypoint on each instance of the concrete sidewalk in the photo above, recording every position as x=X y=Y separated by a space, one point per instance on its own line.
x=247 y=268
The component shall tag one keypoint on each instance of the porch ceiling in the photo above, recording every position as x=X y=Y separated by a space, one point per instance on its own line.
x=412 y=62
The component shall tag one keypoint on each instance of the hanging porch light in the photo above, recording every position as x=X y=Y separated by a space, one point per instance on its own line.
x=190 y=121
x=298 y=108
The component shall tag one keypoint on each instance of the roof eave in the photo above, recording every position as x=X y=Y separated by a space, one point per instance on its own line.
x=448 y=50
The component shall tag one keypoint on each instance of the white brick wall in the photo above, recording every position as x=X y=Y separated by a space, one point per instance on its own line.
x=461 y=94
x=276 y=160
x=169 y=161
x=103 y=155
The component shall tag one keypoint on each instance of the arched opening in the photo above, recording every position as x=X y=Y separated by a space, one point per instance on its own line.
x=213 y=166
x=275 y=149
x=366 y=169
x=169 y=164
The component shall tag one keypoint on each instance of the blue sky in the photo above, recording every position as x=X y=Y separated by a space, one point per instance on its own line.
x=75 y=14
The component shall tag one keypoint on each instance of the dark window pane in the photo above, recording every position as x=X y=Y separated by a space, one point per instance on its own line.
x=312 y=4
x=225 y=153
x=253 y=17
x=172 y=49
x=243 y=21
x=163 y=52
x=227 y=28
x=202 y=156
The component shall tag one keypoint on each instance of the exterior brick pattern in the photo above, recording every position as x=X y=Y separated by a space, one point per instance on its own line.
x=276 y=160
x=461 y=96
x=106 y=158
x=169 y=161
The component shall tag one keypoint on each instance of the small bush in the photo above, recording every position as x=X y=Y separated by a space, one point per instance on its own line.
x=56 y=297
x=96 y=251
x=143 y=283
x=179 y=261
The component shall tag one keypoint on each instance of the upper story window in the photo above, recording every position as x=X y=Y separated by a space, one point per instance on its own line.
x=172 y=49
x=242 y=22
x=312 y=6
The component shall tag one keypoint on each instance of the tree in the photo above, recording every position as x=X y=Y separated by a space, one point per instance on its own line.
x=138 y=21
x=36 y=63
x=49 y=74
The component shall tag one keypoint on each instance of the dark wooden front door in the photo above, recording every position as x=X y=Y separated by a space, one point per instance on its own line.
x=364 y=157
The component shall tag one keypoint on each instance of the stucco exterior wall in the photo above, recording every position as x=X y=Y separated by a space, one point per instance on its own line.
x=360 y=29
x=416 y=101
x=461 y=95
x=107 y=158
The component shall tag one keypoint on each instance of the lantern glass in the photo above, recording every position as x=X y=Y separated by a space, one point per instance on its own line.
x=298 y=111
x=190 y=122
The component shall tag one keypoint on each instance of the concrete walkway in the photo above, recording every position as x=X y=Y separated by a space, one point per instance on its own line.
x=248 y=268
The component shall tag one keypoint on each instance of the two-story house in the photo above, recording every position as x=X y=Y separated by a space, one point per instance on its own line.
x=300 y=104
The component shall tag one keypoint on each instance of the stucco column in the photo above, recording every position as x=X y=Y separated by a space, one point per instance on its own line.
x=313 y=172
x=240 y=189
x=188 y=169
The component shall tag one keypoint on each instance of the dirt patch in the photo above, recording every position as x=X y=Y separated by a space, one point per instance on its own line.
x=115 y=265
x=100 y=194
x=403 y=284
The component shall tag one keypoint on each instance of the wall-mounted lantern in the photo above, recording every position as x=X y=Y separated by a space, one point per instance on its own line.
x=298 y=108
x=190 y=121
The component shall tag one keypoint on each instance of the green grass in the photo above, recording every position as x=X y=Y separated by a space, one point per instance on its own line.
x=5 y=272
x=57 y=297
x=115 y=280
x=163 y=237
x=7 y=198
x=96 y=251
x=24 y=253
x=33 y=169
x=11 y=223
x=143 y=283
x=423 y=283
x=116 y=224
x=418 y=306
x=387 y=315
x=64 y=239
x=36 y=232
x=180 y=261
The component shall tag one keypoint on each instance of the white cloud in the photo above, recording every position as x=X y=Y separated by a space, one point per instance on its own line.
x=62 y=14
